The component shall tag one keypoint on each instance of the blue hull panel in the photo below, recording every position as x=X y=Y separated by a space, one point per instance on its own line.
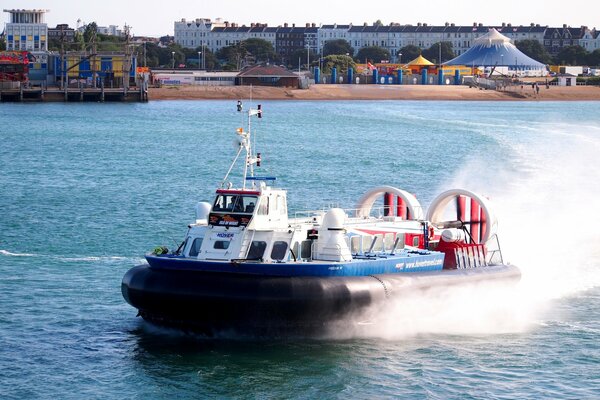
x=422 y=261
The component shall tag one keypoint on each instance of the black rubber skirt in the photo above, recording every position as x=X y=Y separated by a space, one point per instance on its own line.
x=211 y=302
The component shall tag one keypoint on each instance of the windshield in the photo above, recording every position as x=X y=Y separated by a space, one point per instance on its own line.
x=235 y=203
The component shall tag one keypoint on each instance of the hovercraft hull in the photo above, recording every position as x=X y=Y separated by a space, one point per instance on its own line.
x=212 y=301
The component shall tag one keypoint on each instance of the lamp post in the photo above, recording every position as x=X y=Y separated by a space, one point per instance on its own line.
x=347 y=62
x=399 y=58
x=308 y=56
x=199 y=62
x=173 y=60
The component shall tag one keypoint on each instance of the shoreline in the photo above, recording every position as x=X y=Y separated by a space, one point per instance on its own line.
x=374 y=92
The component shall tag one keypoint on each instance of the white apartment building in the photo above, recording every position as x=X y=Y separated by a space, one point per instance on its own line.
x=193 y=34
x=27 y=31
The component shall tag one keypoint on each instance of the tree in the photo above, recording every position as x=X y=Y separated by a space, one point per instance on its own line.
x=594 y=58
x=338 y=46
x=535 y=50
x=340 y=62
x=409 y=52
x=90 y=31
x=373 y=54
x=232 y=56
x=572 y=55
x=262 y=50
x=2 y=44
x=300 y=54
x=433 y=53
x=378 y=23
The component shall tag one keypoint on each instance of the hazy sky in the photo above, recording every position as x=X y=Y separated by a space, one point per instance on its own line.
x=155 y=18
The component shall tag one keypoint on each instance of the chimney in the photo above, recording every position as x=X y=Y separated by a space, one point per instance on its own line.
x=532 y=24
x=252 y=25
x=293 y=25
x=365 y=24
x=285 y=24
x=313 y=25
x=424 y=24
x=509 y=24
x=419 y=24
x=446 y=24
x=452 y=24
x=474 y=24
x=480 y=24
x=564 y=26
x=307 y=25
x=537 y=25
x=504 y=24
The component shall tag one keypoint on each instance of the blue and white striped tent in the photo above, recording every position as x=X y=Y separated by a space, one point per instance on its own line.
x=495 y=50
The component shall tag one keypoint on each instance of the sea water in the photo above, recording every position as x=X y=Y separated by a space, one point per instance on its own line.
x=87 y=189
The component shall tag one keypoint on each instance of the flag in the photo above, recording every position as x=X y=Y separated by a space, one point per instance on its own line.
x=370 y=66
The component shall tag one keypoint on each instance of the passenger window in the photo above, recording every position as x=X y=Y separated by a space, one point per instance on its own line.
x=306 y=251
x=416 y=241
x=279 y=250
x=257 y=250
x=195 y=247
x=222 y=244
x=263 y=208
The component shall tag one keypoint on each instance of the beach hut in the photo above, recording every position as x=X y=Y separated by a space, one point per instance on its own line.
x=493 y=52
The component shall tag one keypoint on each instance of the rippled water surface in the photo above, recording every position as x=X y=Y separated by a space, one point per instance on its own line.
x=87 y=189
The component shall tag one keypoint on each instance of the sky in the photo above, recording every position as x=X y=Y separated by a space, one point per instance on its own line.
x=156 y=18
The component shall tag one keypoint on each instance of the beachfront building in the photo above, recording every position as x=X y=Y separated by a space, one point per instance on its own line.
x=290 y=39
x=193 y=34
x=328 y=33
x=555 y=39
x=286 y=39
x=232 y=34
x=27 y=30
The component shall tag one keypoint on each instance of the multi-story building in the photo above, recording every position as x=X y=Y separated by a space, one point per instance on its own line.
x=62 y=31
x=27 y=30
x=331 y=32
x=557 y=38
x=193 y=34
x=291 y=39
x=287 y=39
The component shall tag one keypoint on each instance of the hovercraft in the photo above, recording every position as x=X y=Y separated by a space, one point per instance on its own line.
x=246 y=265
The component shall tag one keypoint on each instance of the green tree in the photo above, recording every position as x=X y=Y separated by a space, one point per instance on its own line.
x=262 y=50
x=572 y=55
x=90 y=30
x=300 y=54
x=340 y=62
x=594 y=58
x=338 y=46
x=409 y=53
x=433 y=53
x=378 y=23
x=535 y=50
x=2 y=44
x=373 y=54
x=232 y=56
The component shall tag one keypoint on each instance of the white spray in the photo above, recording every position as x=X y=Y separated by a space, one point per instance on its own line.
x=545 y=200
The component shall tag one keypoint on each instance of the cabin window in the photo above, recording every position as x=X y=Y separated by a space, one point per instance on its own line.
x=235 y=203
x=263 y=207
x=257 y=250
x=195 y=247
x=222 y=244
x=306 y=251
x=416 y=241
x=279 y=250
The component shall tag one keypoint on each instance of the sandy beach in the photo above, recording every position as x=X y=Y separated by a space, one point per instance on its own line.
x=375 y=92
